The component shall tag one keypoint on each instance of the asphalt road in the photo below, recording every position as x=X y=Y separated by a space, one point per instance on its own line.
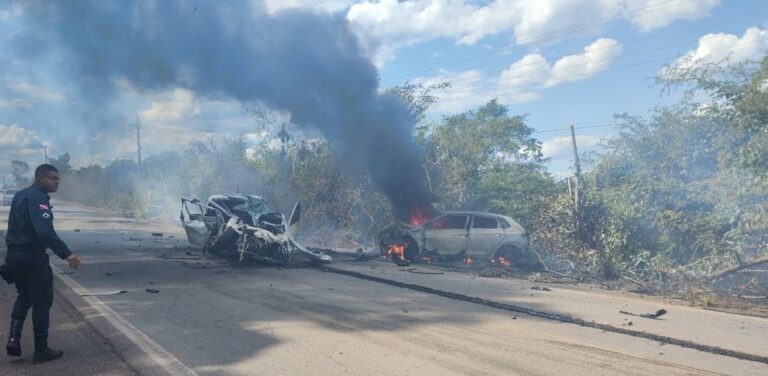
x=211 y=318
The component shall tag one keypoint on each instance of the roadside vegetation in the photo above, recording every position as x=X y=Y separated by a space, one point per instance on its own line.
x=674 y=197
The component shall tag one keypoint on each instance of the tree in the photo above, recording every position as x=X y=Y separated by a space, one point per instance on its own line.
x=62 y=164
x=19 y=170
x=482 y=158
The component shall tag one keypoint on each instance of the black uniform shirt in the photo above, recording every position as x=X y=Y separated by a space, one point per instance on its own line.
x=30 y=223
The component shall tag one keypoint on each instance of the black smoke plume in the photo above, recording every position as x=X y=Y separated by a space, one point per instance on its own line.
x=308 y=64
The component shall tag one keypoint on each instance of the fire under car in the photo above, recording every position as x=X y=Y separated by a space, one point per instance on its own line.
x=243 y=225
x=472 y=235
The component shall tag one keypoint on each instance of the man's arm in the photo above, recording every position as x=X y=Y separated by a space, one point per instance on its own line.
x=42 y=219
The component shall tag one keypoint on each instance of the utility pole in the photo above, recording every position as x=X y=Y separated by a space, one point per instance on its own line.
x=45 y=149
x=138 y=147
x=577 y=168
x=576 y=186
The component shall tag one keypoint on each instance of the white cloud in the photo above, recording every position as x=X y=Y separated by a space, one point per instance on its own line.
x=176 y=105
x=713 y=48
x=16 y=137
x=394 y=23
x=660 y=13
x=25 y=94
x=524 y=79
x=561 y=147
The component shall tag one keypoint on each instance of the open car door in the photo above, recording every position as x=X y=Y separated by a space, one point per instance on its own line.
x=192 y=219
x=291 y=228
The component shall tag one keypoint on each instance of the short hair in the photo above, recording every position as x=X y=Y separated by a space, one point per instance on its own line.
x=44 y=169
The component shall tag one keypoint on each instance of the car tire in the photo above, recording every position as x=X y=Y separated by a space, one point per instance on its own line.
x=411 y=249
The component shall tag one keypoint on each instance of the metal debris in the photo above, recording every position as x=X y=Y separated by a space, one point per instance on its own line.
x=116 y=292
x=654 y=315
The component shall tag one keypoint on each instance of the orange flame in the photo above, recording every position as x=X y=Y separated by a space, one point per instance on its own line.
x=419 y=217
x=396 y=250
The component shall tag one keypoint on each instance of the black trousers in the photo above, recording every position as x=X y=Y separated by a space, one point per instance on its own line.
x=34 y=283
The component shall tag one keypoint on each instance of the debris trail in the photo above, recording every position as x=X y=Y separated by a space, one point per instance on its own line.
x=553 y=316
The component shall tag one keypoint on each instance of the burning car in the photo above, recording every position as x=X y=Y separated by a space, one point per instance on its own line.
x=468 y=235
x=243 y=225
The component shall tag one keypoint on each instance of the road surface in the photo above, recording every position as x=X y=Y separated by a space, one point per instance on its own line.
x=372 y=317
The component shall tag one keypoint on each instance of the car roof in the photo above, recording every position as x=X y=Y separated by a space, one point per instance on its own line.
x=506 y=217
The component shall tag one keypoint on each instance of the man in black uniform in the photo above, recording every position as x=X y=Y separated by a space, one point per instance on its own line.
x=30 y=232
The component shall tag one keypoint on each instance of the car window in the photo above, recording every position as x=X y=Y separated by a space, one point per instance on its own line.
x=504 y=223
x=485 y=222
x=450 y=222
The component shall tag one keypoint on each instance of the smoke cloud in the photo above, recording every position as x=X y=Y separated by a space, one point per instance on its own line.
x=308 y=64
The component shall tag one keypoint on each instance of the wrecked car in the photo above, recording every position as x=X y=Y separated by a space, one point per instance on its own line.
x=243 y=225
x=477 y=235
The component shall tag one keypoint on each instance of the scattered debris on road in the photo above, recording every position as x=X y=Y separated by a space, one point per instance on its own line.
x=540 y=288
x=152 y=291
x=157 y=234
x=417 y=271
x=116 y=292
x=654 y=315
x=77 y=230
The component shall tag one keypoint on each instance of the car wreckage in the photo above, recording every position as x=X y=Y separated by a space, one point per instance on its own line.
x=460 y=235
x=243 y=225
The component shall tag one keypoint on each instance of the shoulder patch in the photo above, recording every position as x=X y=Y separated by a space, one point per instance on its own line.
x=43 y=207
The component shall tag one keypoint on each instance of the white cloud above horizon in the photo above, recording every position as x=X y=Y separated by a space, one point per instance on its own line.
x=386 y=25
x=524 y=80
x=716 y=47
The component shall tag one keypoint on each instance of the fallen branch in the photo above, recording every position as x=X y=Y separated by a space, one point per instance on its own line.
x=723 y=273
x=634 y=281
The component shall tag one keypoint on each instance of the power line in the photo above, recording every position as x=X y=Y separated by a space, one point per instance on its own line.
x=583 y=127
x=584 y=75
x=535 y=38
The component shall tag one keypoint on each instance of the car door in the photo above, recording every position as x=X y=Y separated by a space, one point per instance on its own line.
x=192 y=220
x=447 y=234
x=485 y=236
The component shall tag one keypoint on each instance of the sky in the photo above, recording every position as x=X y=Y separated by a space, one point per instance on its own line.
x=560 y=62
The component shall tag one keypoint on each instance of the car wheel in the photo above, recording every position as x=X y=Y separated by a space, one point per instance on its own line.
x=411 y=249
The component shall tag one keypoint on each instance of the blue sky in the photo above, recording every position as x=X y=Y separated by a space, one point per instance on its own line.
x=559 y=61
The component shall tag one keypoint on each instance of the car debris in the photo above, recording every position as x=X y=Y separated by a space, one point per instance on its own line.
x=243 y=225
x=116 y=292
x=152 y=291
x=463 y=236
x=654 y=315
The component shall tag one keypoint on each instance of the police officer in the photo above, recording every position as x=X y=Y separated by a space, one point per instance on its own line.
x=30 y=232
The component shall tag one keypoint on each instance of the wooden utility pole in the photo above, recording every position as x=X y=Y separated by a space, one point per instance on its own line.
x=138 y=147
x=577 y=172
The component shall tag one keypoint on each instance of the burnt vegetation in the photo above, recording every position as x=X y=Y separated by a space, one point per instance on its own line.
x=676 y=199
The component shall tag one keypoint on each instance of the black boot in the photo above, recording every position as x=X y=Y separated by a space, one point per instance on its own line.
x=42 y=352
x=13 y=348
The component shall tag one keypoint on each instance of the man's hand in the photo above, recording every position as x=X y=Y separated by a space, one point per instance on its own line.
x=73 y=261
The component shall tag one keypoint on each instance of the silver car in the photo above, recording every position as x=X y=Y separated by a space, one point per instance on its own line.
x=470 y=234
x=244 y=226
